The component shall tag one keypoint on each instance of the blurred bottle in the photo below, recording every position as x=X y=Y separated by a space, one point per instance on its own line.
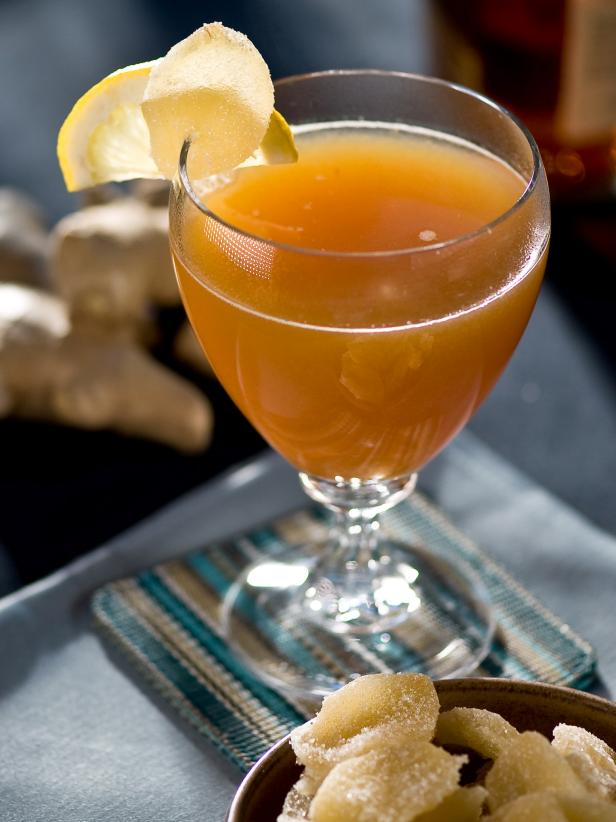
x=553 y=63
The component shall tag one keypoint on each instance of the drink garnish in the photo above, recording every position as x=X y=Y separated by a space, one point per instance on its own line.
x=213 y=88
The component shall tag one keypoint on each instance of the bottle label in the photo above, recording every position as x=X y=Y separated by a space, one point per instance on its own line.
x=586 y=110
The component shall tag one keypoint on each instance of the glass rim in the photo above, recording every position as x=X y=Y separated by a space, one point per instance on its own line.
x=486 y=228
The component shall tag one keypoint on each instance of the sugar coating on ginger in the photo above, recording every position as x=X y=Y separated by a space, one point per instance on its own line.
x=553 y=806
x=591 y=758
x=366 y=713
x=531 y=807
x=387 y=785
x=529 y=764
x=463 y=805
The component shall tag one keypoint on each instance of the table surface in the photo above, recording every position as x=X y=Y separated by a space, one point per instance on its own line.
x=81 y=739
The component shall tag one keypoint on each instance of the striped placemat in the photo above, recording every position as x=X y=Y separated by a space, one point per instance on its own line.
x=165 y=620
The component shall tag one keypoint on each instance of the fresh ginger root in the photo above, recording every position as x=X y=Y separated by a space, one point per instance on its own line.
x=111 y=264
x=78 y=356
x=23 y=240
x=48 y=372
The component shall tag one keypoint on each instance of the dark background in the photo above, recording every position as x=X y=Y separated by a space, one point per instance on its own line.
x=63 y=492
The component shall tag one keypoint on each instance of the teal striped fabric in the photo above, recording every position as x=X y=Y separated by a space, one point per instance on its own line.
x=165 y=620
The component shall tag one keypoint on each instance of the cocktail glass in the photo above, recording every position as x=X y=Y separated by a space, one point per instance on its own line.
x=359 y=380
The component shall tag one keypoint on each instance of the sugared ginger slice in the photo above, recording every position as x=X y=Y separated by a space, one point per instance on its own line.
x=590 y=757
x=295 y=808
x=529 y=764
x=367 y=713
x=587 y=809
x=533 y=807
x=394 y=785
x=555 y=807
x=463 y=805
x=482 y=731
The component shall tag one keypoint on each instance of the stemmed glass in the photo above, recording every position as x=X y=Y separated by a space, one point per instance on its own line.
x=358 y=380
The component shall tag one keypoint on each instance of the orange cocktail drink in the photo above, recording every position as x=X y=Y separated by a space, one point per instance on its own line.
x=358 y=305
x=364 y=353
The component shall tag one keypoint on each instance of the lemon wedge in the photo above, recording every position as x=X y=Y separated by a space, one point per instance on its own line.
x=105 y=137
x=213 y=87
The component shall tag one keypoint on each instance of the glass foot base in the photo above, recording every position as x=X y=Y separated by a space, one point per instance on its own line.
x=305 y=626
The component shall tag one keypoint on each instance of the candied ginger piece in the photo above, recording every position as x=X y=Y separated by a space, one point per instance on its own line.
x=532 y=807
x=484 y=731
x=308 y=783
x=463 y=805
x=587 y=809
x=529 y=764
x=590 y=757
x=295 y=808
x=555 y=807
x=406 y=699
x=387 y=785
x=369 y=712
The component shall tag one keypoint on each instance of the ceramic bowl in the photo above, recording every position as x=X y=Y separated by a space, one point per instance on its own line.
x=527 y=705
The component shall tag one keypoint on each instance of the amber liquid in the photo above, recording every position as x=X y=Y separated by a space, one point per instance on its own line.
x=350 y=362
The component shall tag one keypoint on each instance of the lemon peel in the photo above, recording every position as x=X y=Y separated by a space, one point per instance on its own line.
x=277 y=146
x=105 y=138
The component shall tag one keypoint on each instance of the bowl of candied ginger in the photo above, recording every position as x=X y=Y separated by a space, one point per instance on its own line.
x=401 y=748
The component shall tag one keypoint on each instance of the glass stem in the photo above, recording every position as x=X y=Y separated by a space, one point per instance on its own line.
x=357 y=505
x=355 y=537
